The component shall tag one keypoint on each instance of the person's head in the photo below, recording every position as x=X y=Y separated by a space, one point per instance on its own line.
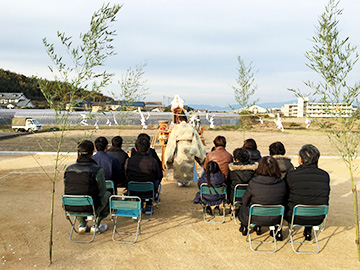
x=117 y=141
x=309 y=155
x=101 y=144
x=85 y=149
x=268 y=166
x=241 y=155
x=143 y=135
x=182 y=117
x=276 y=148
x=212 y=167
x=220 y=141
x=142 y=145
x=250 y=144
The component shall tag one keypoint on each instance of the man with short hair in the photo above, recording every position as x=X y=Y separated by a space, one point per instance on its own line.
x=142 y=167
x=307 y=185
x=110 y=164
x=222 y=157
x=117 y=152
x=85 y=177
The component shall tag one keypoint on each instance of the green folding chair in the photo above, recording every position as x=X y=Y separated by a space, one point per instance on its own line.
x=265 y=211
x=110 y=186
x=206 y=190
x=239 y=192
x=144 y=190
x=307 y=211
x=125 y=206
x=158 y=197
x=79 y=201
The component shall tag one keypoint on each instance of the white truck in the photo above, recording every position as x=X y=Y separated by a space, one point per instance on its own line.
x=25 y=124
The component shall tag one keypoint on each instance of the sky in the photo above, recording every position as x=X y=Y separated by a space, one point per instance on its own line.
x=190 y=46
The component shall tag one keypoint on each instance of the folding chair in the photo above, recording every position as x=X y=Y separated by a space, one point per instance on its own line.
x=308 y=211
x=137 y=188
x=158 y=197
x=206 y=190
x=79 y=200
x=265 y=211
x=125 y=206
x=239 y=192
x=110 y=186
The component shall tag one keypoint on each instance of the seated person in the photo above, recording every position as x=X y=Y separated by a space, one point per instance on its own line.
x=116 y=151
x=213 y=178
x=110 y=164
x=141 y=167
x=277 y=151
x=240 y=171
x=85 y=177
x=266 y=187
x=220 y=155
x=151 y=153
x=251 y=146
x=307 y=185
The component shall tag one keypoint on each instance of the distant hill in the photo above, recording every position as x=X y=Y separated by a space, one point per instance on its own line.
x=267 y=105
x=11 y=82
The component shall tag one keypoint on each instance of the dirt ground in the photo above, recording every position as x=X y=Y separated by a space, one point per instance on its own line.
x=176 y=237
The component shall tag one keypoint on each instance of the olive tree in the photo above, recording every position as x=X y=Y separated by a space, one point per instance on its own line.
x=244 y=89
x=333 y=58
x=78 y=76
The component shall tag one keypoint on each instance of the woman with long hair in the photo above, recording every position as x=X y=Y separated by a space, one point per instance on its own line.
x=213 y=178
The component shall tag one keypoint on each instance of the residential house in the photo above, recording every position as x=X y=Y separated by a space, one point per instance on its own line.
x=15 y=101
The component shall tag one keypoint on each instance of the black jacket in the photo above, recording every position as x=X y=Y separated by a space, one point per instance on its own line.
x=307 y=185
x=121 y=156
x=262 y=190
x=239 y=173
x=80 y=179
x=142 y=168
x=151 y=153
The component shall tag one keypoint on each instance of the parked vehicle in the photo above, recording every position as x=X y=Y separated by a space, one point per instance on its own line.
x=25 y=124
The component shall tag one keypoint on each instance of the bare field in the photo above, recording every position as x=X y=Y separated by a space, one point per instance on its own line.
x=176 y=237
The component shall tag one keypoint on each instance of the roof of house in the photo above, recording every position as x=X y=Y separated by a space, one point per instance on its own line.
x=8 y=95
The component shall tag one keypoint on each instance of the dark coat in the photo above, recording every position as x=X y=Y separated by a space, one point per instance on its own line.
x=284 y=164
x=80 y=178
x=121 y=156
x=239 y=173
x=255 y=155
x=262 y=190
x=142 y=168
x=151 y=153
x=307 y=185
x=216 y=180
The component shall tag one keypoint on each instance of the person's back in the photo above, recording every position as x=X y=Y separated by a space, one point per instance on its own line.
x=308 y=184
x=213 y=178
x=266 y=187
x=220 y=155
x=251 y=146
x=116 y=151
x=85 y=177
x=240 y=171
x=108 y=163
x=277 y=151
x=183 y=147
x=151 y=153
x=141 y=167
